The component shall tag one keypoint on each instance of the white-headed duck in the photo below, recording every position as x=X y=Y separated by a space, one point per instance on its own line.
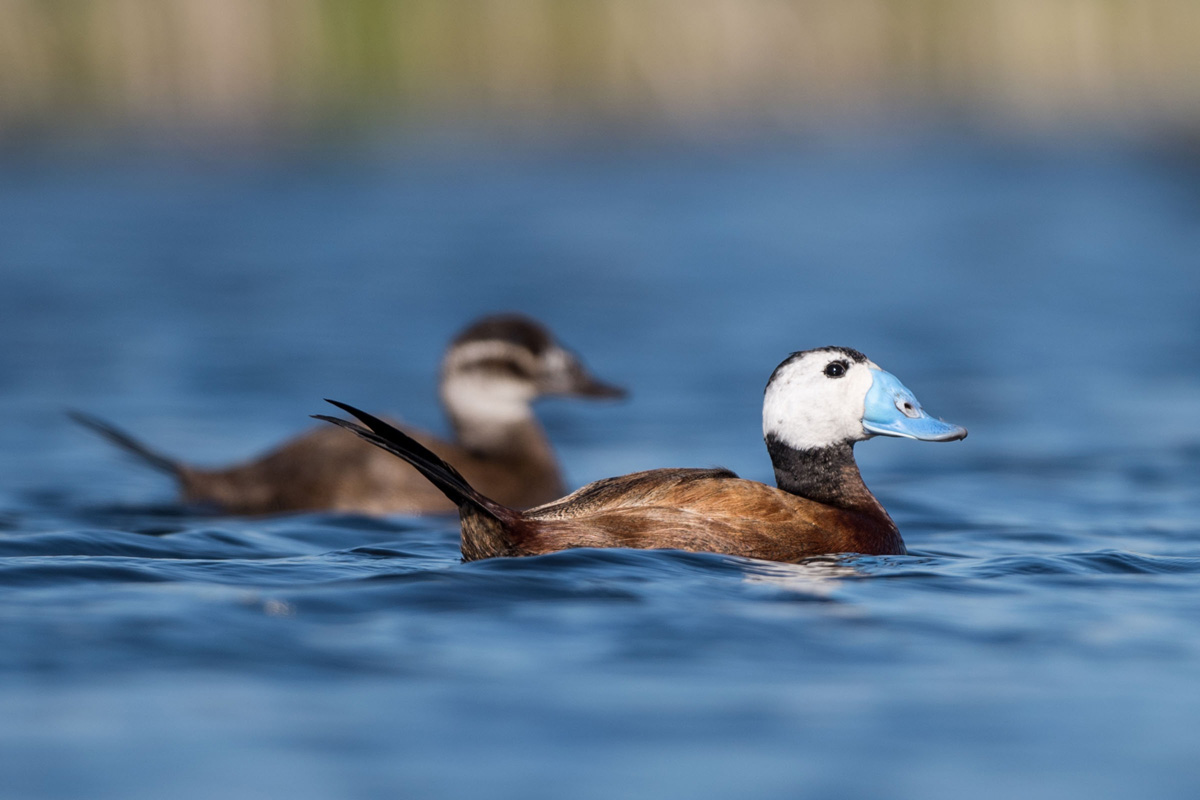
x=817 y=405
x=492 y=372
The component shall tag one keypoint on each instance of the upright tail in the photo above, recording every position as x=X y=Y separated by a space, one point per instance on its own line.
x=127 y=443
x=445 y=477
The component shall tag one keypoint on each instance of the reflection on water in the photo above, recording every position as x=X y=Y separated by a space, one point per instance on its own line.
x=816 y=578
x=1040 y=640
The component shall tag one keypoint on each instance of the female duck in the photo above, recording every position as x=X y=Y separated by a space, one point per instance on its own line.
x=818 y=403
x=491 y=375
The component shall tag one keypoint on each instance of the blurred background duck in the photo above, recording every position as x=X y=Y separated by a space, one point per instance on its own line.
x=491 y=374
x=817 y=405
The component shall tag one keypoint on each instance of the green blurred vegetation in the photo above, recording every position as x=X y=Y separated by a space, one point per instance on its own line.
x=280 y=64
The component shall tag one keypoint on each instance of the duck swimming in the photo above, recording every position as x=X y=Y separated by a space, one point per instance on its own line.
x=817 y=405
x=492 y=372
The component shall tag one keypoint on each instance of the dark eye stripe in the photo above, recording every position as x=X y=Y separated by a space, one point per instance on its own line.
x=498 y=367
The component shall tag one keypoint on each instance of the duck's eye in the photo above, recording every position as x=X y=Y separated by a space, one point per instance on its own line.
x=835 y=369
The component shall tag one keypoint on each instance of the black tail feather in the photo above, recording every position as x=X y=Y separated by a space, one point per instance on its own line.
x=445 y=477
x=127 y=443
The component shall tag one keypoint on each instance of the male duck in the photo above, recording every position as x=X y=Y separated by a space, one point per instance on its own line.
x=491 y=375
x=818 y=403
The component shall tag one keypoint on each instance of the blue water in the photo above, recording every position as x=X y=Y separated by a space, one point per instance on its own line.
x=1041 y=640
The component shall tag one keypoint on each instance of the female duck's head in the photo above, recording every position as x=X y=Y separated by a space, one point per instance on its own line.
x=495 y=369
x=834 y=395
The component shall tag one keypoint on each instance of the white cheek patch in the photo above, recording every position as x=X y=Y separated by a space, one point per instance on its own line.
x=806 y=409
x=479 y=397
x=487 y=399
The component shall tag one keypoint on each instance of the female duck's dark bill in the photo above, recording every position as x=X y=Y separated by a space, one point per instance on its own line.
x=588 y=386
x=891 y=409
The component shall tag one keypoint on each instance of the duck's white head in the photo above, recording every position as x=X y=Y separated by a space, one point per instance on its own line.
x=834 y=395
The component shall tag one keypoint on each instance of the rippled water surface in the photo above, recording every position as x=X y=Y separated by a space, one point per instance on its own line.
x=1041 y=640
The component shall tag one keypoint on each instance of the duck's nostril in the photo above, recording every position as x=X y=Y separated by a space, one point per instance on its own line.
x=908 y=408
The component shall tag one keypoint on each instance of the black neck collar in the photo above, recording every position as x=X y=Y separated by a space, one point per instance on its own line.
x=828 y=475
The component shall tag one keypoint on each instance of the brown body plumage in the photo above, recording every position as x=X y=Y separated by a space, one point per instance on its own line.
x=491 y=375
x=322 y=470
x=702 y=510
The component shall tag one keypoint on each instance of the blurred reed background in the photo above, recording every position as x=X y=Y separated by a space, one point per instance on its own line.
x=305 y=65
